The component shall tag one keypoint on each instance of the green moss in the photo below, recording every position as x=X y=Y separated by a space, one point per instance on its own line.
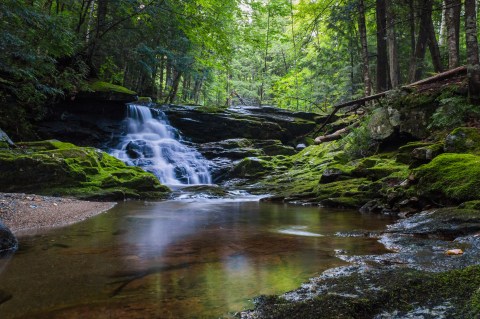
x=473 y=204
x=454 y=177
x=144 y=99
x=100 y=86
x=366 y=295
x=463 y=140
x=53 y=167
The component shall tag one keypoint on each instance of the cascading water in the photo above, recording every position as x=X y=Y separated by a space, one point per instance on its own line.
x=153 y=144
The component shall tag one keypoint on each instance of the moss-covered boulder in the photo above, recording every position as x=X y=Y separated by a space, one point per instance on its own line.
x=55 y=168
x=463 y=140
x=450 y=178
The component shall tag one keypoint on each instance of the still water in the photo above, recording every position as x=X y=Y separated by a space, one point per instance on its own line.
x=177 y=259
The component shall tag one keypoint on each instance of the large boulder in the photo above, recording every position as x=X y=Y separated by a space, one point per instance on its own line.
x=8 y=242
x=56 y=168
x=264 y=123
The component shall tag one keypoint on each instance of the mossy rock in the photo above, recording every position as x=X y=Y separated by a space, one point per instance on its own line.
x=100 y=86
x=56 y=168
x=351 y=193
x=463 y=140
x=398 y=290
x=473 y=204
x=252 y=167
x=450 y=177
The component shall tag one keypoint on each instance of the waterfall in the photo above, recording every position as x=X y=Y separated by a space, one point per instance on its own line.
x=153 y=144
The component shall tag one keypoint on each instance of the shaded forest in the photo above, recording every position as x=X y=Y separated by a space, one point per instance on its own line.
x=300 y=55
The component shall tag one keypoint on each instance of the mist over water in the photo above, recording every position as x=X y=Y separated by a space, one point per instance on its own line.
x=153 y=144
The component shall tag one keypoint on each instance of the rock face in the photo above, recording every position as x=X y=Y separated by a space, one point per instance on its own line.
x=8 y=242
x=264 y=123
x=56 y=168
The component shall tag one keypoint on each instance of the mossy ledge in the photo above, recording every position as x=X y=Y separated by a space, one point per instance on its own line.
x=63 y=169
x=367 y=295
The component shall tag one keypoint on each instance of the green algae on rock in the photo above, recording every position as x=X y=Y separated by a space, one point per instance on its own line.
x=55 y=168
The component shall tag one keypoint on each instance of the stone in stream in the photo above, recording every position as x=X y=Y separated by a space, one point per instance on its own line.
x=8 y=242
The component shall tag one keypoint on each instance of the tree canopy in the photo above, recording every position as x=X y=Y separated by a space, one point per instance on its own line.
x=296 y=54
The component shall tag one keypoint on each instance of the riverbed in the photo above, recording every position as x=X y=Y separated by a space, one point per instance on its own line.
x=190 y=258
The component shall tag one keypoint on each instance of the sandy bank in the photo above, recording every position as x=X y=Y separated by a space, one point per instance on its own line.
x=27 y=214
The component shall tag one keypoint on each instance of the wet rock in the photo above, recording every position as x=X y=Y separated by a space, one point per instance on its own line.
x=5 y=140
x=139 y=148
x=242 y=122
x=8 y=242
x=463 y=140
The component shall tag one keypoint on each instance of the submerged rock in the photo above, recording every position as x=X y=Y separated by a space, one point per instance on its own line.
x=56 y=168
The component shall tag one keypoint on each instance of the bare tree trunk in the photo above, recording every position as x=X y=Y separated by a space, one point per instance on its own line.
x=394 y=67
x=173 y=91
x=160 y=76
x=434 y=49
x=262 y=86
x=473 y=63
x=416 y=66
x=443 y=24
x=453 y=9
x=411 y=19
x=382 y=57
x=363 y=40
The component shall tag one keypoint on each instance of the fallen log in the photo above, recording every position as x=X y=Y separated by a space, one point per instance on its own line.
x=335 y=135
x=461 y=70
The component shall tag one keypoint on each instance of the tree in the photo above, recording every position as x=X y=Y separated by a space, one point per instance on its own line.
x=473 y=64
x=394 y=67
x=362 y=29
x=382 y=57
x=453 y=9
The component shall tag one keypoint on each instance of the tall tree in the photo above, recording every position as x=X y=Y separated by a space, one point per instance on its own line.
x=473 y=63
x=453 y=9
x=362 y=28
x=394 y=67
x=382 y=58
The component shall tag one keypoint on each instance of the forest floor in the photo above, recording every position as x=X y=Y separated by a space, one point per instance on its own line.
x=25 y=213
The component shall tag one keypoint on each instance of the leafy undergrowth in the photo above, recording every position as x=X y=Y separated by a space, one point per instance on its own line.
x=56 y=168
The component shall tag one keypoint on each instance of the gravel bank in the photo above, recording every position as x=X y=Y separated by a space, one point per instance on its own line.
x=27 y=214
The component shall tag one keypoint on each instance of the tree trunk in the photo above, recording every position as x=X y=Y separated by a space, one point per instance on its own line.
x=363 y=40
x=416 y=66
x=162 y=71
x=453 y=9
x=473 y=64
x=443 y=24
x=411 y=19
x=394 y=67
x=173 y=91
x=382 y=58
x=434 y=49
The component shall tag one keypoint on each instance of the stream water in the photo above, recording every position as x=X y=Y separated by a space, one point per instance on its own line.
x=177 y=259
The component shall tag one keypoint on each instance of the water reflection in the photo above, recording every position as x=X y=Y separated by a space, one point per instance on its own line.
x=177 y=259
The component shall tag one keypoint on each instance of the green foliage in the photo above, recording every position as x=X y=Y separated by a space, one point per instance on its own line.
x=453 y=111
x=359 y=143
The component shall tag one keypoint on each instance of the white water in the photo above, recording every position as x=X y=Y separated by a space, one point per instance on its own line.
x=153 y=144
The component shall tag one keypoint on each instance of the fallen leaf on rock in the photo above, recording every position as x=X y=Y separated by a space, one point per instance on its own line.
x=454 y=252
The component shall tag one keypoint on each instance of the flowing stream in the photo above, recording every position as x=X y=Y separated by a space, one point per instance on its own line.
x=177 y=259
x=153 y=144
